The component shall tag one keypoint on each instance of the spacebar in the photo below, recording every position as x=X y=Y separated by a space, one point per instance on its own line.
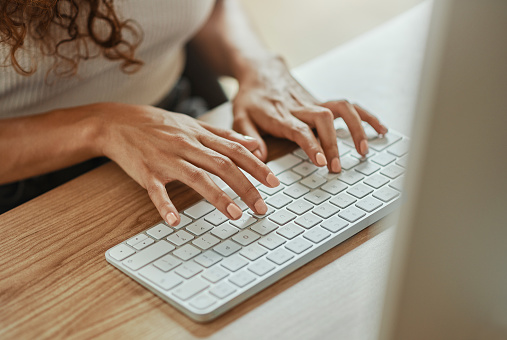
x=148 y=255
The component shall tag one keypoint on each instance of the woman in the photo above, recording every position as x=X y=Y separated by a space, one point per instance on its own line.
x=79 y=79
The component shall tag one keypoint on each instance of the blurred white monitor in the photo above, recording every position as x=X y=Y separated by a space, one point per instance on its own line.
x=448 y=276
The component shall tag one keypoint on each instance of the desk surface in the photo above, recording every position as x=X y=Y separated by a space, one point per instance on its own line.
x=56 y=283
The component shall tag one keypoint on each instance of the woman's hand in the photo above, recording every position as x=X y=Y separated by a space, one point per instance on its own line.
x=155 y=147
x=270 y=100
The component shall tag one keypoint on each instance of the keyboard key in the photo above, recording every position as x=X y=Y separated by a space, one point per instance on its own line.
x=279 y=200
x=359 y=190
x=367 y=168
x=317 y=196
x=208 y=258
x=392 y=171
x=261 y=267
x=184 y=220
x=397 y=183
x=203 y=301
x=376 y=181
x=308 y=220
x=324 y=173
x=136 y=239
x=239 y=202
x=215 y=274
x=348 y=162
x=148 y=255
x=215 y=217
x=269 y=212
x=313 y=181
x=344 y=149
x=165 y=281
x=385 y=194
x=290 y=231
x=400 y=148
x=403 y=161
x=180 y=237
x=362 y=158
x=300 y=207
x=343 y=200
x=383 y=158
x=245 y=237
x=199 y=227
x=222 y=290
x=159 y=231
x=227 y=248
x=282 y=216
x=271 y=191
x=325 y=210
x=264 y=227
x=190 y=288
x=271 y=241
x=167 y=263
x=288 y=177
x=283 y=163
x=369 y=204
x=230 y=192
x=234 y=263
x=316 y=235
x=224 y=231
x=144 y=243
x=242 y=279
x=296 y=190
x=334 y=187
x=186 y=252
x=380 y=143
x=199 y=210
x=121 y=252
x=244 y=221
x=301 y=154
x=350 y=177
x=306 y=168
x=188 y=269
x=351 y=214
x=253 y=252
x=334 y=224
x=280 y=256
x=298 y=245
x=205 y=241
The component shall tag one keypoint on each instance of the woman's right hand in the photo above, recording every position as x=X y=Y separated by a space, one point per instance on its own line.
x=154 y=147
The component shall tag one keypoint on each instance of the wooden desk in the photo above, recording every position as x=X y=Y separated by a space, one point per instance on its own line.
x=56 y=283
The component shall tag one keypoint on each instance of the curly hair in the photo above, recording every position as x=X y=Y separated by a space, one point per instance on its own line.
x=70 y=31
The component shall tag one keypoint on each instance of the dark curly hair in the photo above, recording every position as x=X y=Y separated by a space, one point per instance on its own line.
x=70 y=31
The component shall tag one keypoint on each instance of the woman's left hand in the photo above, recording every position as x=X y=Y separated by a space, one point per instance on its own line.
x=271 y=101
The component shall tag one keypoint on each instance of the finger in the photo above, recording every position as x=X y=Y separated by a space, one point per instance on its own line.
x=371 y=119
x=344 y=109
x=300 y=133
x=242 y=158
x=245 y=126
x=199 y=180
x=322 y=119
x=248 y=141
x=160 y=198
x=222 y=166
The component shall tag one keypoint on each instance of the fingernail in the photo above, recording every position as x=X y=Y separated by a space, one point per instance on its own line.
x=335 y=165
x=272 y=180
x=363 y=146
x=248 y=137
x=321 y=159
x=234 y=211
x=261 y=207
x=171 y=219
x=257 y=154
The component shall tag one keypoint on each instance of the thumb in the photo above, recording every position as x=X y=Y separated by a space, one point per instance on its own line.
x=246 y=127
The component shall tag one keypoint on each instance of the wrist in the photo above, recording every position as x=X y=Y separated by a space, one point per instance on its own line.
x=259 y=68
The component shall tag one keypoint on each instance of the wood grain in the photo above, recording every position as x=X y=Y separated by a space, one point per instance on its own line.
x=56 y=283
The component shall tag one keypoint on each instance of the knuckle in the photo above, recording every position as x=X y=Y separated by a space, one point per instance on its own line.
x=222 y=162
x=236 y=148
x=325 y=114
x=195 y=175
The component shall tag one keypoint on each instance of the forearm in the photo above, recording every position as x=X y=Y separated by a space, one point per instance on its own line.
x=229 y=44
x=38 y=144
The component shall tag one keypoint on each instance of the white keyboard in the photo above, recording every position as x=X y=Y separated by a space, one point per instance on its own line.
x=209 y=264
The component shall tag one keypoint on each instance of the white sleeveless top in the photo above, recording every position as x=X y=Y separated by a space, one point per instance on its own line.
x=166 y=24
